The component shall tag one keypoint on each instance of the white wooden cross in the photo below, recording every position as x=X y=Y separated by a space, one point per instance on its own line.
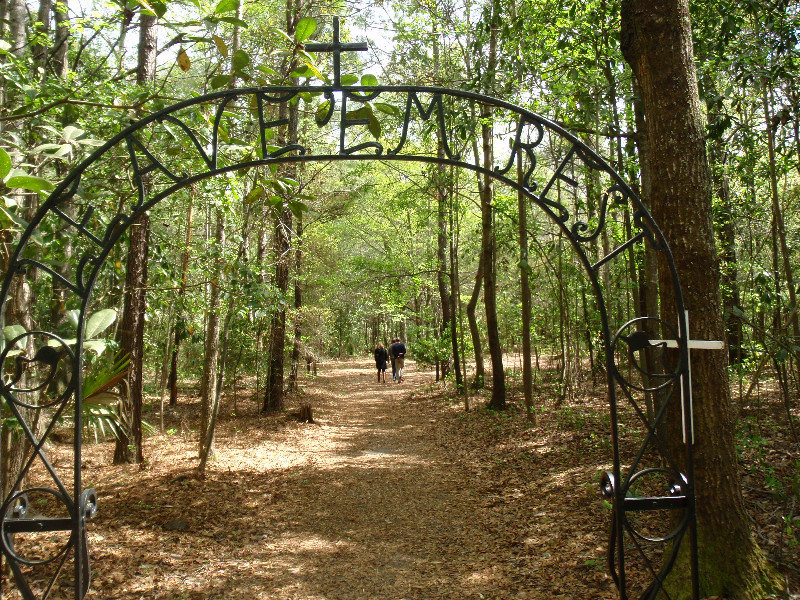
x=693 y=345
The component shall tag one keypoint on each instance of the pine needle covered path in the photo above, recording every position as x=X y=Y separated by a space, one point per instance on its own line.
x=394 y=494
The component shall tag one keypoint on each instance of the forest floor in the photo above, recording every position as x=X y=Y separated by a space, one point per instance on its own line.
x=394 y=493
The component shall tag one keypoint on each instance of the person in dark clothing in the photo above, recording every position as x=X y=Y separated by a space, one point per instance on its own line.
x=381 y=356
x=391 y=357
x=398 y=353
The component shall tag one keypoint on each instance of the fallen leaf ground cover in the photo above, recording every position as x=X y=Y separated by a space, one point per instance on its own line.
x=394 y=493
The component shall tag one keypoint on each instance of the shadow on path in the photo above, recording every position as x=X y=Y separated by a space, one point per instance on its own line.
x=384 y=498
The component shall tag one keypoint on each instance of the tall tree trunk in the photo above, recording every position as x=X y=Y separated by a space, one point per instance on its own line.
x=498 y=401
x=58 y=308
x=147 y=49
x=207 y=443
x=298 y=304
x=13 y=19
x=297 y=342
x=472 y=304
x=656 y=42
x=525 y=295
x=440 y=185
x=60 y=50
x=131 y=333
x=563 y=327
x=794 y=98
x=442 y=279
x=208 y=382
x=649 y=275
x=128 y=446
x=454 y=286
x=15 y=446
x=4 y=6
x=261 y=255
x=39 y=48
x=180 y=320
x=18 y=26
x=274 y=397
x=727 y=241
x=778 y=224
x=236 y=43
x=474 y=331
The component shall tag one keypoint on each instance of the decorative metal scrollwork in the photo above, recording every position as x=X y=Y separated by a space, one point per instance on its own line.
x=35 y=376
x=674 y=497
x=19 y=521
x=37 y=535
x=641 y=515
x=617 y=195
x=413 y=100
x=528 y=147
x=634 y=334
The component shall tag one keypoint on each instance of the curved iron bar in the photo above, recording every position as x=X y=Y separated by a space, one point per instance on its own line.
x=577 y=233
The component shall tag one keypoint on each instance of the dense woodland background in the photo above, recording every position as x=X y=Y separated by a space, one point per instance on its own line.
x=257 y=276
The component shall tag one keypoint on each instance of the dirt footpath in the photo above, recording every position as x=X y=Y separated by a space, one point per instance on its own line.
x=393 y=494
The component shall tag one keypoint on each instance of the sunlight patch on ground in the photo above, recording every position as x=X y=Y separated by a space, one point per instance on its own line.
x=296 y=544
x=480 y=578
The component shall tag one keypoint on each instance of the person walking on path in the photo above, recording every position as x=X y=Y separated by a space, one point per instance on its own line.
x=398 y=351
x=391 y=357
x=381 y=356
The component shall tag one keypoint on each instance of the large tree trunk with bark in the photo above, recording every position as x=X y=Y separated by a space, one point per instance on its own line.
x=128 y=446
x=57 y=57
x=4 y=6
x=498 y=401
x=648 y=287
x=147 y=50
x=131 y=333
x=15 y=446
x=440 y=185
x=274 y=397
x=18 y=26
x=472 y=304
x=656 y=42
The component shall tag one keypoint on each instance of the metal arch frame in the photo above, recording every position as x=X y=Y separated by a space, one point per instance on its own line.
x=208 y=155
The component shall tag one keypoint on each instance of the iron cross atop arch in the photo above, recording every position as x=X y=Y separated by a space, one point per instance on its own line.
x=336 y=47
x=650 y=491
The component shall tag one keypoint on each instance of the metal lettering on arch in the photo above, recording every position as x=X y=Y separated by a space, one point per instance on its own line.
x=650 y=491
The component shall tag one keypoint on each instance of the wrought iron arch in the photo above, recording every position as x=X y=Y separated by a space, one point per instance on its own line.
x=139 y=162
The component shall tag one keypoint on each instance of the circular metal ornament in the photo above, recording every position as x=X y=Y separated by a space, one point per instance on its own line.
x=638 y=340
x=42 y=370
x=671 y=487
x=19 y=506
